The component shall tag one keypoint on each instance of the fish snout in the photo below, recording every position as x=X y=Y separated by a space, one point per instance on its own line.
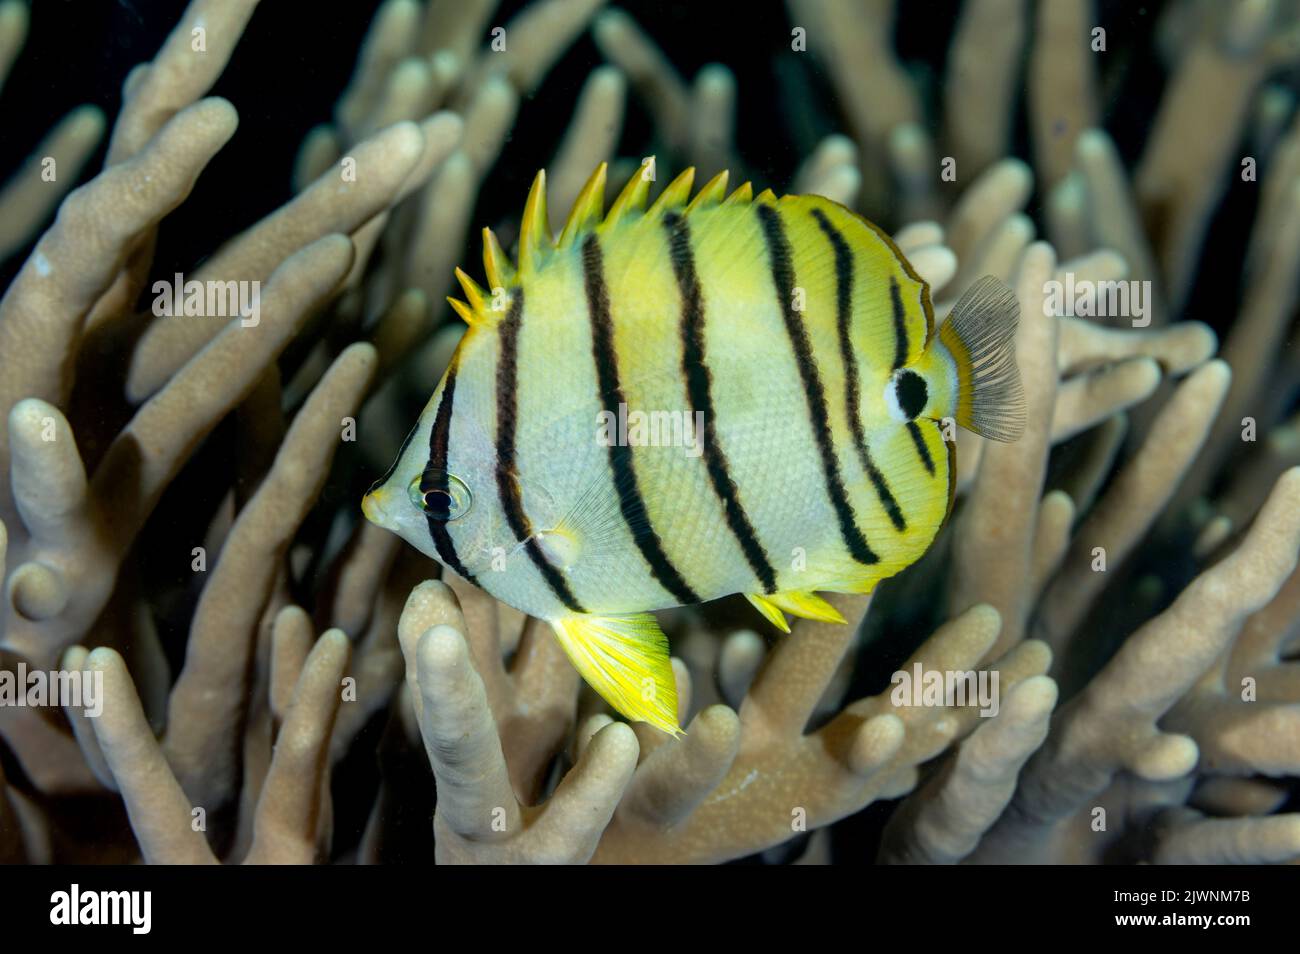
x=373 y=505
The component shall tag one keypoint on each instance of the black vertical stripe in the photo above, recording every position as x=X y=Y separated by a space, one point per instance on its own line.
x=919 y=440
x=436 y=475
x=610 y=394
x=900 y=324
x=699 y=385
x=844 y=315
x=507 y=481
x=783 y=278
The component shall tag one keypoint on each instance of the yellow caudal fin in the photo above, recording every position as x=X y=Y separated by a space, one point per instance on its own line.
x=980 y=335
x=802 y=603
x=625 y=659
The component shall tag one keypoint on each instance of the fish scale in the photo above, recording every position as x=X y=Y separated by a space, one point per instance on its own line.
x=795 y=328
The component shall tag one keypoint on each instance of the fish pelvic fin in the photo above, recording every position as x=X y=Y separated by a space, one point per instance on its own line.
x=804 y=604
x=980 y=335
x=625 y=659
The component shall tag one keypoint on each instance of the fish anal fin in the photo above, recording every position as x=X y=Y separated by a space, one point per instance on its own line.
x=771 y=612
x=625 y=659
x=807 y=605
x=861 y=586
x=804 y=604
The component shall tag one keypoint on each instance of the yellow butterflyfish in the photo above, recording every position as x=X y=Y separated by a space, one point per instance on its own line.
x=710 y=396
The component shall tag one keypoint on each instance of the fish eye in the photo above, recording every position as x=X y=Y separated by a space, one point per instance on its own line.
x=442 y=496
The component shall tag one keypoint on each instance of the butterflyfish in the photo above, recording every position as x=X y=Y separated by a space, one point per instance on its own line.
x=721 y=394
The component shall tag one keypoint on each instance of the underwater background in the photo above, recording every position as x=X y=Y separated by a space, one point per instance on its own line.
x=1128 y=567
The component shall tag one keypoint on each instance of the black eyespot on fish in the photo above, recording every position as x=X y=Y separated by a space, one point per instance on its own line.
x=912 y=394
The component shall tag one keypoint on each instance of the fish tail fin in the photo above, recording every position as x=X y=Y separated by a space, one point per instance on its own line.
x=625 y=659
x=980 y=336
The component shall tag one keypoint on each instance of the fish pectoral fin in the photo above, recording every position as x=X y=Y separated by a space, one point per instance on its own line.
x=625 y=659
x=802 y=603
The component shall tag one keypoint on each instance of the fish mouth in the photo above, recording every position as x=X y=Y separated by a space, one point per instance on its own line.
x=372 y=505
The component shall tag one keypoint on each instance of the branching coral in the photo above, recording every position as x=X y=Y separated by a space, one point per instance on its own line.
x=1133 y=555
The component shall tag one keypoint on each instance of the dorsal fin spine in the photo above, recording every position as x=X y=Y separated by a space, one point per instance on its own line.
x=534 y=231
x=743 y=195
x=674 y=195
x=473 y=293
x=633 y=197
x=587 y=208
x=536 y=243
x=711 y=194
x=496 y=264
x=466 y=313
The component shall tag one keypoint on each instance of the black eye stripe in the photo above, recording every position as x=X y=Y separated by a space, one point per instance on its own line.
x=433 y=479
x=439 y=448
x=438 y=503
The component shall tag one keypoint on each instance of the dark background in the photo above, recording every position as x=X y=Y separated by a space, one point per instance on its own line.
x=297 y=55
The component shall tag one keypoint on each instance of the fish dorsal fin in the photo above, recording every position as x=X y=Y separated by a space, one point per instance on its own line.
x=587 y=208
x=674 y=195
x=633 y=197
x=475 y=310
x=766 y=197
x=473 y=293
x=743 y=195
x=534 y=233
x=712 y=194
x=466 y=313
x=484 y=307
x=496 y=264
